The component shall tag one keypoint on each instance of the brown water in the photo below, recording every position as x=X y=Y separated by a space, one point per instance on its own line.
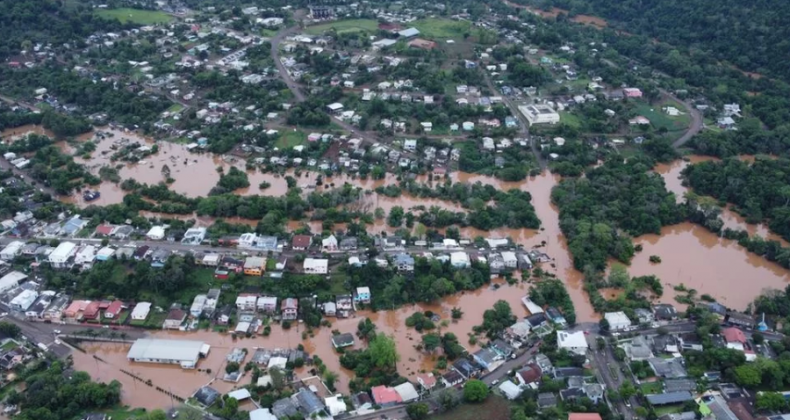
x=21 y=131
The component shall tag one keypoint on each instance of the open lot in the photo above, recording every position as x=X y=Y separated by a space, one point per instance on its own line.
x=493 y=408
x=441 y=28
x=659 y=118
x=344 y=26
x=289 y=139
x=143 y=17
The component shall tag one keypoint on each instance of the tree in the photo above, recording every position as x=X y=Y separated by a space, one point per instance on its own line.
x=9 y=329
x=627 y=390
x=748 y=376
x=431 y=342
x=771 y=401
x=418 y=411
x=383 y=351
x=457 y=313
x=157 y=415
x=278 y=378
x=603 y=325
x=475 y=391
x=232 y=367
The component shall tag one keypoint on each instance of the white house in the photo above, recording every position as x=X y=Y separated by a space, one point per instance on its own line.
x=157 y=233
x=246 y=302
x=60 y=256
x=618 y=321
x=11 y=251
x=316 y=265
x=459 y=259
x=329 y=244
x=140 y=311
x=573 y=342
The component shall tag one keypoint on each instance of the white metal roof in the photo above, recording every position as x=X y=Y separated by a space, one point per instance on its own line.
x=62 y=252
x=407 y=392
x=240 y=394
x=617 y=320
x=181 y=350
x=571 y=340
x=316 y=263
x=11 y=280
x=141 y=310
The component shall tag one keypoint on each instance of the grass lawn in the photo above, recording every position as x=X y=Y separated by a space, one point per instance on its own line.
x=175 y=108
x=668 y=409
x=10 y=344
x=289 y=139
x=142 y=17
x=124 y=413
x=570 y=119
x=493 y=408
x=441 y=28
x=344 y=26
x=268 y=33
x=659 y=118
x=652 y=387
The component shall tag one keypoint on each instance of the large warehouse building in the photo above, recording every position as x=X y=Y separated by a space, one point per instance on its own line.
x=177 y=352
x=539 y=114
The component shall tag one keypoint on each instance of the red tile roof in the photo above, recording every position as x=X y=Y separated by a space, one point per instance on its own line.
x=584 y=416
x=531 y=373
x=115 y=307
x=104 y=229
x=385 y=395
x=92 y=310
x=734 y=335
x=301 y=241
x=427 y=379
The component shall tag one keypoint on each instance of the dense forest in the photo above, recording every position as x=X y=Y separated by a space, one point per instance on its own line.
x=752 y=36
x=618 y=199
x=760 y=191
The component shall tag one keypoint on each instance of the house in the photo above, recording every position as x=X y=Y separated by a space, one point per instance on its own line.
x=539 y=114
x=426 y=380
x=740 y=320
x=60 y=256
x=459 y=259
x=407 y=392
x=510 y=390
x=547 y=400
x=665 y=312
x=530 y=374
x=632 y=93
x=573 y=342
x=140 y=311
x=254 y=266
x=246 y=302
x=329 y=244
x=197 y=305
x=174 y=319
x=668 y=368
x=644 y=316
x=669 y=398
x=114 y=310
x=284 y=409
x=736 y=340
x=556 y=316
x=11 y=250
x=618 y=321
x=385 y=396
x=518 y=331
x=488 y=359
x=404 y=262
x=289 y=308
x=466 y=368
x=267 y=304
x=301 y=242
x=348 y=244
x=316 y=265
x=343 y=340
x=452 y=378
x=362 y=295
x=584 y=416
x=329 y=308
x=157 y=233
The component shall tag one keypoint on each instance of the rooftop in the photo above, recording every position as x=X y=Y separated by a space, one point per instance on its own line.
x=183 y=350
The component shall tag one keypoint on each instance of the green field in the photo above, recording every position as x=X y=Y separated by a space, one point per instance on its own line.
x=570 y=119
x=659 y=118
x=175 y=108
x=290 y=139
x=344 y=26
x=142 y=17
x=441 y=28
x=652 y=387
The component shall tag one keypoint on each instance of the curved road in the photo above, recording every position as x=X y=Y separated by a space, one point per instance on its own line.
x=696 y=120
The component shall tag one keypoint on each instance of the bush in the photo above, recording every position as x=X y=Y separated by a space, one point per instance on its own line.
x=655 y=259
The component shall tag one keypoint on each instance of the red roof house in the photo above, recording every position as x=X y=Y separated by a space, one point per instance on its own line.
x=301 y=242
x=114 y=309
x=426 y=380
x=385 y=396
x=734 y=335
x=104 y=229
x=584 y=416
x=529 y=374
x=91 y=311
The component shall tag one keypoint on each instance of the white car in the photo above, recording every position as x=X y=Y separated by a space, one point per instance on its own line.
x=56 y=331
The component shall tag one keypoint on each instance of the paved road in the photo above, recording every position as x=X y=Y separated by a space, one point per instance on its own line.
x=275 y=53
x=397 y=412
x=696 y=120
x=601 y=361
x=510 y=364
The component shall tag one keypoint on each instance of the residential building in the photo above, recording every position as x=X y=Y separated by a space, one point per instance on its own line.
x=246 y=302
x=329 y=244
x=426 y=380
x=539 y=114
x=529 y=375
x=665 y=312
x=289 y=308
x=740 y=320
x=573 y=342
x=198 y=303
x=59 y=258
x=11 y=250
x=175 y=317
x=254 y=266
x=362 y=295
x=618 y=321
x=180 y=352
x=404 y=262
x=301 y=242
x=140 y=311
x=267 y=304
x=316 y=265
x=385 y=396
x=342 y=340
x=459 y=259
x=114 y=310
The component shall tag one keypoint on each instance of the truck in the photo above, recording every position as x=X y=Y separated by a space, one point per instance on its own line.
x=43 y=346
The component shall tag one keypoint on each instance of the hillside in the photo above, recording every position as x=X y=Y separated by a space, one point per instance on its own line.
x=753 y=36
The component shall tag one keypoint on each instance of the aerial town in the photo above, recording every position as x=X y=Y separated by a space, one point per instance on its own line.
x=272 y=210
